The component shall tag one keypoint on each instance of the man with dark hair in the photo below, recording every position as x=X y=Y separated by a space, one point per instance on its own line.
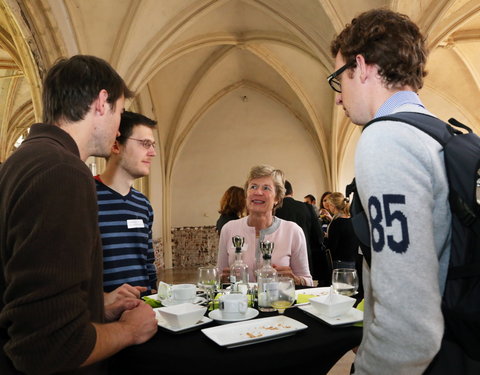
x=52 y=312
x=125 y=215
x=380 y=65
x=303 y=214
x=310 y=199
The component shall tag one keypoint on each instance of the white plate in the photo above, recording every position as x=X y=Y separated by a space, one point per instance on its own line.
x=198 y=300
x=164 y=324
x=352 y=316
x=252 y=332
x=217 y=315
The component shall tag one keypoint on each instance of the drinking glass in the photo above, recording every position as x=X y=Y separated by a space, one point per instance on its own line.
x=208 y=281
x=281 y=294
x=345 y=281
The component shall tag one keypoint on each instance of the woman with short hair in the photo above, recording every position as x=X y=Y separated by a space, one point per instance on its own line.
x=264 y=194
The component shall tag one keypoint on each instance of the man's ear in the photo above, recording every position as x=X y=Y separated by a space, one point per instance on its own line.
x=365 y=70
x=101 y=102
x=116 y=148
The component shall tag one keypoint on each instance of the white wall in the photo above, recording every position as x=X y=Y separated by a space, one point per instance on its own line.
x=231 y=138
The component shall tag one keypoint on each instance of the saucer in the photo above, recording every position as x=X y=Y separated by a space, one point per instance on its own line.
x=171 y=302
x=217 y=315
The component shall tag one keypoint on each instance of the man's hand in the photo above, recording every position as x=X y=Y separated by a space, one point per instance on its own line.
x=135 y=326
x=123 y=291
x=114 y=310
x=140 y=321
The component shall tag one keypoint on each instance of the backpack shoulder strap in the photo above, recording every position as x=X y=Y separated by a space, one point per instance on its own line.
x=434 y=127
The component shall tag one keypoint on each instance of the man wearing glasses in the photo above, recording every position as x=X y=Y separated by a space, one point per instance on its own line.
x=125 y=215
x=380 y=65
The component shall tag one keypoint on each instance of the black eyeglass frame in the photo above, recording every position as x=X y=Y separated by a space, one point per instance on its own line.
x=333 y=82
x=146 y=143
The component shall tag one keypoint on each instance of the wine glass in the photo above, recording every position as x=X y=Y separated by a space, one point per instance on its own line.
x=208 y=281
x=281 y=294
x=345 y=281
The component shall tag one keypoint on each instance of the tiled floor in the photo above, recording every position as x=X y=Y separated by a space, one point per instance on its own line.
x=189 y=275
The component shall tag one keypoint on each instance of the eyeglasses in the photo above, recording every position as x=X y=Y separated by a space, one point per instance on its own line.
x=146 y=143
x=335 y=83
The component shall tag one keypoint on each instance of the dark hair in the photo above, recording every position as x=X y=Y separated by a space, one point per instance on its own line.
x=323 y=196
x=288 y=188
x=233 y=201
x=388 y=39
x=311 y=197
x=71 y=86
x=128 y=121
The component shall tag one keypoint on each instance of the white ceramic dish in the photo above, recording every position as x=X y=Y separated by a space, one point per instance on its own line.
x=164 y=324
x=351 y=317
x=255 y=331
x=332 y=305
x=217 y=315
x=182 y=315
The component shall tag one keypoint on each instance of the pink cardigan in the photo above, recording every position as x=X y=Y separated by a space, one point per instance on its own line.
x=290 y=247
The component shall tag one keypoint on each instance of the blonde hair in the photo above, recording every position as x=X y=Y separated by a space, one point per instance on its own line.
x=277 y=176
x=339 y=201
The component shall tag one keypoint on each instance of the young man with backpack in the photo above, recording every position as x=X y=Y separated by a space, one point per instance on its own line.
x=402 y=184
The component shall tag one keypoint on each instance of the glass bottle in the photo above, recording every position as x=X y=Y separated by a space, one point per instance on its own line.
x=266 y=277
x=239 y=269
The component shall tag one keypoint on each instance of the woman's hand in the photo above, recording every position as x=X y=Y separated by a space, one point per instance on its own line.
x=225 y=276
x=286 y=271
x=324 y=213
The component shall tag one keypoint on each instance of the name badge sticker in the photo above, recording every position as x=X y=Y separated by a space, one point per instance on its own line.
x=135 y=223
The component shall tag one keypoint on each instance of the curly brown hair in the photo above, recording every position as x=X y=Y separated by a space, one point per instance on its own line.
x=233 y=202
x=391 y=41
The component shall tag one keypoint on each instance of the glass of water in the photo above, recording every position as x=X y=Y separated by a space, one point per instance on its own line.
x=345 y=281
x=208 y=282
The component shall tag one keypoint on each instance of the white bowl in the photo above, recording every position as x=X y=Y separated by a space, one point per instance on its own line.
x=335 y=305
x=182 y=315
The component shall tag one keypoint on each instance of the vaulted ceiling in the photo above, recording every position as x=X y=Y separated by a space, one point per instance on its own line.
x=183 y=56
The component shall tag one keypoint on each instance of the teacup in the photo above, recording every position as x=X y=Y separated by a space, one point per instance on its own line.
x=233 y=305
x=178 y=293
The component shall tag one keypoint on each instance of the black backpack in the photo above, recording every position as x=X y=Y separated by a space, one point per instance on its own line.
x=461 y=299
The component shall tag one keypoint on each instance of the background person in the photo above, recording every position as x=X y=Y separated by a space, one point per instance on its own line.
x=52 y=313
x=304 y=215
x=310 y=199
x=325 y=214
x=125 y=215
x=232 y=206
x=341 y=239
x=265 y=192
x=380 y=62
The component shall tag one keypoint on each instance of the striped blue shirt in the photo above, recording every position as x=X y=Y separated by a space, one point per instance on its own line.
x=126 y=230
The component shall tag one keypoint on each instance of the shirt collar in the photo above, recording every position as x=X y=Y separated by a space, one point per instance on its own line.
x=396 y=100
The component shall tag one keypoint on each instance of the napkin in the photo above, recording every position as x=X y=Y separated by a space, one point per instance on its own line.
x=152 y=302
x=302 y=298
x=360 y=307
